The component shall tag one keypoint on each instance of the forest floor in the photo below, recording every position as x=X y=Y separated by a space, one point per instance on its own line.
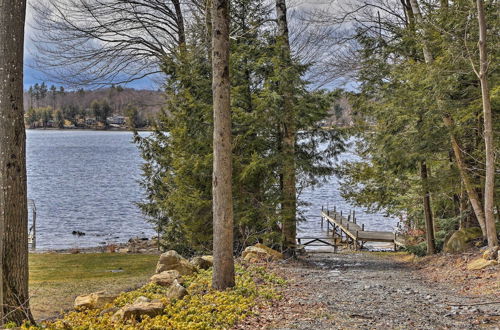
x=370 y=290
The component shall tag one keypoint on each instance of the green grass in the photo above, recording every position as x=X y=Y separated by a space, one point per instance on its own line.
x=56 y=279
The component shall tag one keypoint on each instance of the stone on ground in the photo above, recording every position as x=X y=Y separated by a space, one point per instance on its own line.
x=166 y=278
x=136 y=310
x=260 y=252
x=480 y=263
x=94 y=300
x=171 y=260
x=176 y=291
x=460 y=240
x=204 y=262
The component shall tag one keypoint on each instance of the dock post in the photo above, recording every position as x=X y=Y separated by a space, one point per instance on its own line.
x=363 y=227
x=356 y=242
x=335 y=209
x=349 y=217
x=395 y=245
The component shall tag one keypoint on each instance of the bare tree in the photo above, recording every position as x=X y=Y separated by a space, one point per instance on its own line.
x=13 y=189
x=489 y=201
x=96 y=42
x=223 y=276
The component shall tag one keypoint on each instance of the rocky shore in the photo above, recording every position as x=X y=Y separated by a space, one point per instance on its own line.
x=136 y=245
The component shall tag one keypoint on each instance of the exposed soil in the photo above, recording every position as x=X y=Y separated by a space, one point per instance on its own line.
x=367 y=291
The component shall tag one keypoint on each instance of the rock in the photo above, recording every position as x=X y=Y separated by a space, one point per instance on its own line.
x=260 y=252
x=171 y=260
x=480 y=263
x=136 y=310
x=94 y=300
x=460 y=240
x=176 y=291
x=141 y=299
x=491 y=253
x=123 y=250
x=204 y=262
x=276 y=255
x=165 y=278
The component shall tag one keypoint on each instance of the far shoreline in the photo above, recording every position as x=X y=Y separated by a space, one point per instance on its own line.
x=113 y=129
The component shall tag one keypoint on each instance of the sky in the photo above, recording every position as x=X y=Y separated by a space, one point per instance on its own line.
x=32 y=76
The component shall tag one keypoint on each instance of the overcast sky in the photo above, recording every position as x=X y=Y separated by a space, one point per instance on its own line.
x=32 y=76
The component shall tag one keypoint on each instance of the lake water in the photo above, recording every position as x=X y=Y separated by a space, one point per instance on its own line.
x=88 y=181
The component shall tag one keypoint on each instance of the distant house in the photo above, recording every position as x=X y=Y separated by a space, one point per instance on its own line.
x=90 y=121
x=116 y=120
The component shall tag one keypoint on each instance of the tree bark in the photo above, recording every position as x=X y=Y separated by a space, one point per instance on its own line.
x=223 y=276
x=429 y=221
x=289 y=206
x=489 y=186
x=13 y=189
x=448 y=122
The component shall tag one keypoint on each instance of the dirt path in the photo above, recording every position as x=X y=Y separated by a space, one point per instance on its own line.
x=366 y=291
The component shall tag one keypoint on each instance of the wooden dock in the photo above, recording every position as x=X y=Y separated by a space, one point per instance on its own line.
x=347 y=231
x=355 y=235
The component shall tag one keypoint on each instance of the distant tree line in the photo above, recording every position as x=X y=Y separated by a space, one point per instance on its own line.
x=57 y=107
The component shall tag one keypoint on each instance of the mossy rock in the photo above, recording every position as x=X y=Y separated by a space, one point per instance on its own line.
x=460 y=240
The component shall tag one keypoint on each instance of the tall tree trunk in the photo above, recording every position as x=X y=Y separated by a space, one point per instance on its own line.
x=474 y=199
x=448 y=122
x=209 y=28
x=429 y=222
x=289 y=206
x=13 y=190
x=181 y=34
x=223 y=276
x=489 y=189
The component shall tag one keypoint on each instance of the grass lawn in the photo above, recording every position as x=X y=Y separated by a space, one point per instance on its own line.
x=56 y=279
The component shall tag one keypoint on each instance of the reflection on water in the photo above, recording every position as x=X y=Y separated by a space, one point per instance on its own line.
x=87 y=181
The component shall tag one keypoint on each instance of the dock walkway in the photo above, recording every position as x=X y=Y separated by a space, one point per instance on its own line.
x=347 y=230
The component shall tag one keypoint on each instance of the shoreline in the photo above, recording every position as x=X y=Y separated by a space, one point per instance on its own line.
x=135 y=245
x=112 y=129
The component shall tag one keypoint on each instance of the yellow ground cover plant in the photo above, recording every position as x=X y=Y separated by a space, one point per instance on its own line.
x=202 y=308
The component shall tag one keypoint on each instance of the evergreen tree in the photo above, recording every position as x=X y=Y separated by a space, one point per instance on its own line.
x=177 y=173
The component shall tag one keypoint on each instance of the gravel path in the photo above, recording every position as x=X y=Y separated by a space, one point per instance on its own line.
x=367 y=291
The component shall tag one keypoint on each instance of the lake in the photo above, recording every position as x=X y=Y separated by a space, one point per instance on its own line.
x=88 y=181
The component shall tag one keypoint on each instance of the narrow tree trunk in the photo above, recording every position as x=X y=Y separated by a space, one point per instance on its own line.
x=223 y=276
x=448 y=122
x=289 y=206
x=209 y=28
x=489 y=188
x=429 y=222
x=462 y=168
x=181 y=34
x=13 y=190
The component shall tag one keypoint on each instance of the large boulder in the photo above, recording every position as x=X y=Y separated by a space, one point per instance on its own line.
x=260 y=252
x=480 y=263
x=204 y=262
x=166 y=278
x=94 y=300
x=138 y=309
x=176 y=291
x=171 y=260
x=461 y=239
